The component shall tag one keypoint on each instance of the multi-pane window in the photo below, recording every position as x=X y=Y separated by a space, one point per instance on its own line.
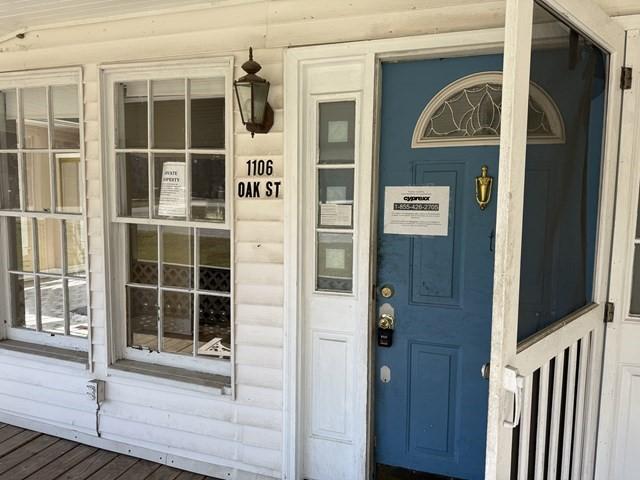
x=41 y=192
x=172 y=216
x=335 y=172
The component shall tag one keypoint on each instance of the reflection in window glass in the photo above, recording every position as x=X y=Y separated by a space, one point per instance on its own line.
x=23 y=292
x=68 y=183
x=37 y=177
x=208 y=187
x=9 y=182
x=207 y=113
x=21 y=232
x=142 y=318
x=177 y=257
x=66 y=118
x=132 y=126
x=78 y=318
x=143 y=254
x=177 y=324
x=8 y=120
x=214 y=326
x=335 y=262
x=170 y=185
x=52 y=314
x=36 y=123
x=215 y=260
x=76 y=253
x=168 y=113
x=134 y=184
x=49 y=246
x=562 y=180
x=337 y=132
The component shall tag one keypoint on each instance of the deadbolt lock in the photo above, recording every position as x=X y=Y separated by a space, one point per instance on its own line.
x=386 y=291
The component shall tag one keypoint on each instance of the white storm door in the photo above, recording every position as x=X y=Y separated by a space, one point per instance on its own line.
x=514 y=365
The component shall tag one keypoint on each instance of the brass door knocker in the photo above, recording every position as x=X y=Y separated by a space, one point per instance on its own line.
x=483 y=187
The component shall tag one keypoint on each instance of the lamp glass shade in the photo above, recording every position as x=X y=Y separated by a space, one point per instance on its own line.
x=260 y=94
x=243 y=90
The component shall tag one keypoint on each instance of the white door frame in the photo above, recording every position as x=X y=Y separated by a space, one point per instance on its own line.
x=594 y=23
x=615 y=368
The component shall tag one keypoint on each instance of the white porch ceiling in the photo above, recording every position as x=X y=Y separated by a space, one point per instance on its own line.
x=20 y=15
x=23 y=15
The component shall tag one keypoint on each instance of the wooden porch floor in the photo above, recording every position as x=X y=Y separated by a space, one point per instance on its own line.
x=25 y=454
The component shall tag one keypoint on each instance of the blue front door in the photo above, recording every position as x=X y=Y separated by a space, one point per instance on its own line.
x=431 y=409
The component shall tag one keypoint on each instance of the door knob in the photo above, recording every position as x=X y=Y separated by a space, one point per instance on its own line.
x=386 y=321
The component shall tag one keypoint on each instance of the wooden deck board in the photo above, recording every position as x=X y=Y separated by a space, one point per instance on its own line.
x=29 y=455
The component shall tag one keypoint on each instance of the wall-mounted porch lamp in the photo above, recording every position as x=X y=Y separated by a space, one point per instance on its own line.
x=252 y=92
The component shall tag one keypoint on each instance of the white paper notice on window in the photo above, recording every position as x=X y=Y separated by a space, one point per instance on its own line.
x=172 y=190
x=416 y=210
x=335 y=215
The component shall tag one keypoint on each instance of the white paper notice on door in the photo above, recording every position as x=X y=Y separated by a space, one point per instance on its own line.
x=417 y=210
x=172 y=190
x=335 y=215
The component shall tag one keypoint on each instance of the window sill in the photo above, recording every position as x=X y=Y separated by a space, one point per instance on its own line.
x=63 y=355
x=173 y=377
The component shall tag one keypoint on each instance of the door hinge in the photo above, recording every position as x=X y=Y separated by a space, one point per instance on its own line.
x=626 y=78
x=609 y=310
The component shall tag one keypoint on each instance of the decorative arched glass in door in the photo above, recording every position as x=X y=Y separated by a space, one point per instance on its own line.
x=468 y=112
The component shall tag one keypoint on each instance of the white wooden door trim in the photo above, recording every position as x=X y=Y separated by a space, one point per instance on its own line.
x=621 y=267
x=370 y=53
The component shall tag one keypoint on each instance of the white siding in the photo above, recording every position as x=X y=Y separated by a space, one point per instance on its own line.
x=242 y=435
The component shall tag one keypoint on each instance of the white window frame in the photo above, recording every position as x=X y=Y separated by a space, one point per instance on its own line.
x=116 y=225
x=44 y=78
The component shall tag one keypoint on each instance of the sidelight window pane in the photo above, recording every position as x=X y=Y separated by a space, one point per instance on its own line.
x=133 y=184
x=132 y=121
x=9 y=182
x=23 y=293
x=142 y=318
x=66 y=117
x=337 y=132
x=335 y=198
x=177 y=326
x=208 y=187
x=8 y=120
x=37 y=173
x=335 y=262
x=36 y=122
x=207 y=113
x=168 y=113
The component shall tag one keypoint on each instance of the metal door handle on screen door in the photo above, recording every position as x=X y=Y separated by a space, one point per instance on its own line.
x=513 y=383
